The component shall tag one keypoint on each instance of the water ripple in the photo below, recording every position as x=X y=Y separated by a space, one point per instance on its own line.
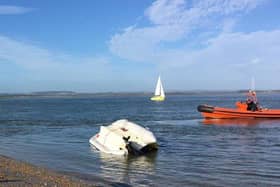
x=192 y=152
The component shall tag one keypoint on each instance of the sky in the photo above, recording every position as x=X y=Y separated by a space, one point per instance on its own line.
x=123 y=46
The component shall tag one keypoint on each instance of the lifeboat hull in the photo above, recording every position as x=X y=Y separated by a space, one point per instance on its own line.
x=212 y=112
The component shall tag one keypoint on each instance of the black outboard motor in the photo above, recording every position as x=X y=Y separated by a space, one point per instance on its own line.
x=205 y=108
x=132 y=147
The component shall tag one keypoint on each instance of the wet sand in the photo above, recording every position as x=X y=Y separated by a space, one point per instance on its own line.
x=17 y=173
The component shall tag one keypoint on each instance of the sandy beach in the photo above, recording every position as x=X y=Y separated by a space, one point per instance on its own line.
x=17 y=173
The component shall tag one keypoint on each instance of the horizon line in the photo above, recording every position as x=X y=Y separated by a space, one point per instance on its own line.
x=132 y=92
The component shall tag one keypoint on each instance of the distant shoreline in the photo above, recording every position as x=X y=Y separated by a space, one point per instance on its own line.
x=70 y=94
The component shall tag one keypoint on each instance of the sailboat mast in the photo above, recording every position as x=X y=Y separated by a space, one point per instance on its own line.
x=161 y=90
x=253 y=83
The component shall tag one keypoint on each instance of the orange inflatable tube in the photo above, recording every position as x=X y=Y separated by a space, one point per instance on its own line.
x=240 y=111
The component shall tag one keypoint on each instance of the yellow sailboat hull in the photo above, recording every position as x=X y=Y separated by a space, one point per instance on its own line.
x=157 y=98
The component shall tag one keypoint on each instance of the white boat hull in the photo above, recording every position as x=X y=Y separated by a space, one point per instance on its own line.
x=124 y=137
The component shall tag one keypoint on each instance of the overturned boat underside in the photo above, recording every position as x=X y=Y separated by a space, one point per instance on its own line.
x=124 y=137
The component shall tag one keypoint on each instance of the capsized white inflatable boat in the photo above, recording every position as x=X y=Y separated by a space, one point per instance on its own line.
x=124 y=137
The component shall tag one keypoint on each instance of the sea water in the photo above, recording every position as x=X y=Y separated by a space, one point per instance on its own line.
x=54 y=133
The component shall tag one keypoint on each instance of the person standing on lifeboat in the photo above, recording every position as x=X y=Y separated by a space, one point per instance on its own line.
x=252 y=101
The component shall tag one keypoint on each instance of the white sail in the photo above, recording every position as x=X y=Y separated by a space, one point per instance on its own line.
x=161 y=90
x=158 y=87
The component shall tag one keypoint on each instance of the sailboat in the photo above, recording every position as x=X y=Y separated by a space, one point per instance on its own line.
x=159 y=92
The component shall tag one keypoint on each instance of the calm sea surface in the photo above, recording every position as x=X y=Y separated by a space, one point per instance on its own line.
x=54 y=133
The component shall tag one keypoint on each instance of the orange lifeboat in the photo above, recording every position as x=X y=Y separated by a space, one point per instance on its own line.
x=240 y=111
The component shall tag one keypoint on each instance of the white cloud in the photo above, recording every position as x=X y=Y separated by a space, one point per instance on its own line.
x=10 y=10
x=176 y=21
x=256 y=60
x=26 y=66
x=45 y=64
x=219 y=58
x=232 y=49
x=32 y=68
x=166 y=12
x=228 y=62
x=226 y=7
x=30 y=56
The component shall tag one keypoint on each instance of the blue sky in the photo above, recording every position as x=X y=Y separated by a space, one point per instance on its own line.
x=108 y=45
